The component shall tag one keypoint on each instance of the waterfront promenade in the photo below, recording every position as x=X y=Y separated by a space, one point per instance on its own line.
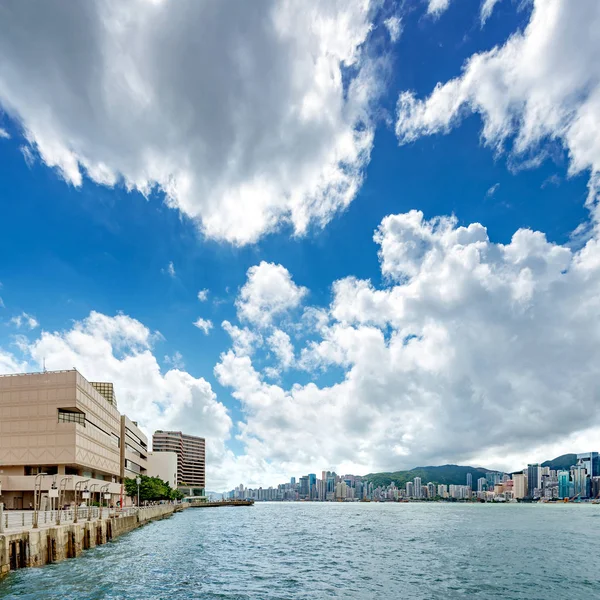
x=22 y=545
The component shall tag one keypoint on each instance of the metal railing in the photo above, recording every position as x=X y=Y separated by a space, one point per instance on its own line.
x=24 y=519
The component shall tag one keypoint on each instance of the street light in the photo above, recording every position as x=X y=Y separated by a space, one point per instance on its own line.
x=36 y=495
x=62 y=492
x=94 y=485
x=138 y=480
x=78 y=488
x=104 y=494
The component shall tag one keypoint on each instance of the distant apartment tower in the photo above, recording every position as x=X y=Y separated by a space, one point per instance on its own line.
x=534 y=479
x=469 y=480
x=418 y=489
x=519 y=485
x=191 y=459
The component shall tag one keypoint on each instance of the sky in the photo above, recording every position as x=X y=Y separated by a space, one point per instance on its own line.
x=356 y=235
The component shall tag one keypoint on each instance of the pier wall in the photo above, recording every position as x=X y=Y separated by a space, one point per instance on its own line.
x=37 y=547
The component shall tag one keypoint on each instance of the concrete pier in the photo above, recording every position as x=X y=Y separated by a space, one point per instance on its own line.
x=37 y=547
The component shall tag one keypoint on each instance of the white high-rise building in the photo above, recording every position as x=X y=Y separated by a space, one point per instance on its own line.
x=410 y=489
x=418 y=489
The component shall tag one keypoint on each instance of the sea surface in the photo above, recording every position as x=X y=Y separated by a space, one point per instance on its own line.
x=307 y=550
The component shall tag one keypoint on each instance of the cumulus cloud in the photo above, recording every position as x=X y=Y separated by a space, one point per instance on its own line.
x=136 y=92
x=542 y=85
x=281 y=345
x=204 y=325
x=203 y=295
x=473 y=351
x=269 y=292
x=24 y=320
x=4 y=135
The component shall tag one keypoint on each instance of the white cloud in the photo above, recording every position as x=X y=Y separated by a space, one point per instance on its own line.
x=176 y=360
x=542 y=85
x=204 y=325
x=437 y=7
x=394 y=27
x=203 y=295
x=170 y=270
x=24 y=320
x=268 y=292
x=487 y=8
x=4 y=134
x=244 y=340
x=135 y=92
x=472 y=352
x=281 y=345
x=492 y=190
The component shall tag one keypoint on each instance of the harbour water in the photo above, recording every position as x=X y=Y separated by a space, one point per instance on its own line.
x=307 y=550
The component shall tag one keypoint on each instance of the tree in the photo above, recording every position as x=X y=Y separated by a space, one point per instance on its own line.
x=152 y=489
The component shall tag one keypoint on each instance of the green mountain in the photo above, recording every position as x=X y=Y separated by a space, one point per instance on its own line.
x=561 y=463
x=445 y=474
x=454 y=474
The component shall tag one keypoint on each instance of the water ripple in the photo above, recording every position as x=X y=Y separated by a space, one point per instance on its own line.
x=313 y=551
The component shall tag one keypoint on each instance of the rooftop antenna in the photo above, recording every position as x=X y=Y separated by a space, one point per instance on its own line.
x=44 y=364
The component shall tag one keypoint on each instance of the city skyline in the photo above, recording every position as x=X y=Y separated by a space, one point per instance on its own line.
x=580 y=482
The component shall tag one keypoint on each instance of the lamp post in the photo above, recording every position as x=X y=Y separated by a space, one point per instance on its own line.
x=36 y=494
x=138 y=480
x=104 y=495
x=62 y=491
x=78 y=488
x=94 y=485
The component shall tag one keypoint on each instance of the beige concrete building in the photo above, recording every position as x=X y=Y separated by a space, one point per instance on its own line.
x=519 y=485
x=164 y=466
x=134 y=449
x=191 y=459
x=60 y=424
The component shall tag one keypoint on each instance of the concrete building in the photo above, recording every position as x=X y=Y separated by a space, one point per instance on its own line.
x=60 y=424
x=134 y=449
x=519 y=485
x=191 y=459
x=164 y=466
x=534 y=480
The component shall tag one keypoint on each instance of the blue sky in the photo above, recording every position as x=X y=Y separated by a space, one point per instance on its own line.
x=72 y=248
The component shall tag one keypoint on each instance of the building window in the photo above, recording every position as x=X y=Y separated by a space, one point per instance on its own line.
x=71 y=416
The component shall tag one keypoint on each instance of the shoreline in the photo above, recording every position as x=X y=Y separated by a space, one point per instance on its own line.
x=48 y=545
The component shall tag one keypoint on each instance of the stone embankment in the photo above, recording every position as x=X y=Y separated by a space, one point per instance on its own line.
x=37 y=547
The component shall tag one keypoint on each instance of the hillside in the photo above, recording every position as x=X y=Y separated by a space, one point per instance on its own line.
x=446 y=474
x=561 y=463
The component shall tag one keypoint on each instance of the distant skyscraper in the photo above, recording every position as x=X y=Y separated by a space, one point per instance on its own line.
x=410 y=489
x=469 y=480
x=304 y=487
x=591 y=462
x=580 y=480
x=564 y=484
x=534 y=479
x=418 y=491
x=293 y=481
x=482 y=484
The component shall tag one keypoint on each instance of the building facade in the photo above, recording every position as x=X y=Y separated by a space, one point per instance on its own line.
x=61 y=425
x=191 y=459
x=164 y=466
